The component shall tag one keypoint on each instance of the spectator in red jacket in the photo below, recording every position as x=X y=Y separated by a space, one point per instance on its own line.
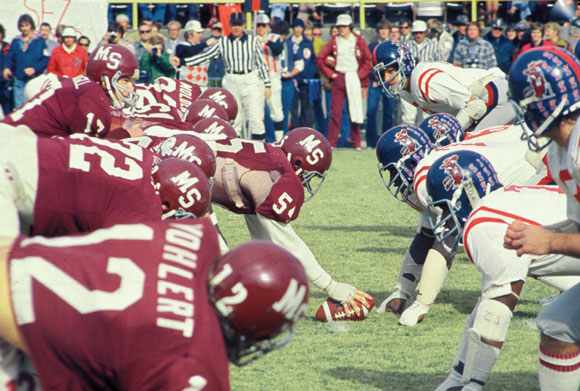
x=346 y=62
x=537 y=35
x=68 y=59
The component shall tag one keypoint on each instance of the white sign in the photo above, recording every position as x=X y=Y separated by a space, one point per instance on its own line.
x=87 y=17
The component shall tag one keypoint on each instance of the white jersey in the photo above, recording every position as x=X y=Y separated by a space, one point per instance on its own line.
x=441 y=87
x=564 y=166
x=274 y=62
x=485 y=229
x=502 y=146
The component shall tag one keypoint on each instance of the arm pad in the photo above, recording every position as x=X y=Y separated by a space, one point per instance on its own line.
x=473 y=110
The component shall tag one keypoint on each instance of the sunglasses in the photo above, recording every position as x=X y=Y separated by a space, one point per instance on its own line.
x=144 y=31
x=261 y=25
x=217 y=28
x=84 y=44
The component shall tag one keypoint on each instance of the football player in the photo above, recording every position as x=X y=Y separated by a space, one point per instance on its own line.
x=543 y=83
x=56 y=186
x=174 y=308
x=406 y=153
x=265 y=183
x=477 y=97
x=462 y=184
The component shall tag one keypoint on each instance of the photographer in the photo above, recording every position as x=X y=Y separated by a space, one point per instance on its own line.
x=155 y=62
x=116 y=34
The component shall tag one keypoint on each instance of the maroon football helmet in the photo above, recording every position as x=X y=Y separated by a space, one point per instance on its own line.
x=190 y=148
x=107 y=65
x=183 y=187
x=204 y=108
x=224 y=98
x=215 y=125
x=259 y=291
x=310 y=154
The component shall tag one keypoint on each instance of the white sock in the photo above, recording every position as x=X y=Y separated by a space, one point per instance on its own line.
x=559 y=371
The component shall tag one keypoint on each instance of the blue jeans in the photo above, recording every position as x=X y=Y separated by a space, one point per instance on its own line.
x=287 y=97
x=158 y=15
x=120 y=9
x=172 y=11
x=375 y=96
x=18 y=92
x=270 y=135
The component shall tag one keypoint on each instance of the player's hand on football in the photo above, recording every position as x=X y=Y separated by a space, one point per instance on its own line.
x=363 y=298
x=527 y=239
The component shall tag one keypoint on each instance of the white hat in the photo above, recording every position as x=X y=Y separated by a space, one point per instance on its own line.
x=262 y=19
x=69 y=32
x=194 y=25
x=419 y=26
x=343 y=20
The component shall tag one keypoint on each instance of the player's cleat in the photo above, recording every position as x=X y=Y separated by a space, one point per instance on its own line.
x=395 y=303
x=414 y=314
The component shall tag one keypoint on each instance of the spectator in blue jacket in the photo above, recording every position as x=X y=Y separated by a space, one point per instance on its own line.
x=27 y=58
x=292 y=64
x=302 y=112
x=376 y=96
x=502 y=45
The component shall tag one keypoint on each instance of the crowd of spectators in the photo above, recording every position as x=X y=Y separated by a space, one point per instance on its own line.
x=162 y=44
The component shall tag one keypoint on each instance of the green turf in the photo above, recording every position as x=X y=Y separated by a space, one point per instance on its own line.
x=359 y=232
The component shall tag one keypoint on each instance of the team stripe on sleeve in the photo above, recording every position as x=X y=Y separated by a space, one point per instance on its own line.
x=424 y=80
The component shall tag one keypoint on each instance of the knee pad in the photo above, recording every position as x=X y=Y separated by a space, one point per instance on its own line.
x=492 y=320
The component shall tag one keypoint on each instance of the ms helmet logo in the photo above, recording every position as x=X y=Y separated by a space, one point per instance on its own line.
x=453 y=173
x=409 y=144
x=538 y=85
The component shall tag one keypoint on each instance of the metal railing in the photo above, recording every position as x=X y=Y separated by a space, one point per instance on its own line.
x=360 y=4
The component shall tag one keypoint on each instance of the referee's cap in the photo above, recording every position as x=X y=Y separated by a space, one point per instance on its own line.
x=237 y=18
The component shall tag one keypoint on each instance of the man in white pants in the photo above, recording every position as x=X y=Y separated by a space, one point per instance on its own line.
x=246 y=75
x=273 y=45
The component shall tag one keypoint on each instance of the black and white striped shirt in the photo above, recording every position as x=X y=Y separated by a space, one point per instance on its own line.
x=428 y=50
x=240 y=56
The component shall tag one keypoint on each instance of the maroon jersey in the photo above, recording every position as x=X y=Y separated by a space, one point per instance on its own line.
x=70 y=105
x=123 y=308
x=256 y=178
x=86 y=183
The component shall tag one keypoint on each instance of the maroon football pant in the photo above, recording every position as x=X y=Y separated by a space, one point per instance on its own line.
x=337 y=96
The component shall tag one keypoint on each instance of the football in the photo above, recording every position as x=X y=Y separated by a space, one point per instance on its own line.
x=333 y=311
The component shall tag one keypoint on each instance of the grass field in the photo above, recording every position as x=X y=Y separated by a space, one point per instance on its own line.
x=359 y=232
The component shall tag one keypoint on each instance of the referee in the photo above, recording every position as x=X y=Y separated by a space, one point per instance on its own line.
x=246 y=74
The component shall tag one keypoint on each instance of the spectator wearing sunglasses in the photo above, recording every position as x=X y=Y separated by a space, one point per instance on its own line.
x=68 y=59
x=502 y=45
x=405 y=28
x=143 y=44
x=85 y=42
